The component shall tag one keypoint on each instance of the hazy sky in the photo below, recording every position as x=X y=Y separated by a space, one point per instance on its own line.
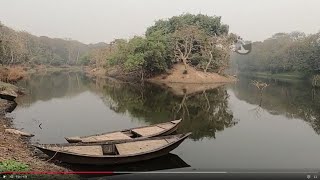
x=92 y=21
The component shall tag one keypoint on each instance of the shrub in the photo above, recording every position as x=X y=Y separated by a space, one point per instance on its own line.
x=12 y=165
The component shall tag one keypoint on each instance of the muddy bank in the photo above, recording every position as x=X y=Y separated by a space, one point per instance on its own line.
x=193 y=82
x=175 y=79
x=176 y=75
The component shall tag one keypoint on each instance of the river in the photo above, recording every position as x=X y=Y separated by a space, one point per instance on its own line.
x=233 y=127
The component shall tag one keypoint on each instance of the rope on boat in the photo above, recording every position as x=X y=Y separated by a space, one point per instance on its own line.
x=52 y=156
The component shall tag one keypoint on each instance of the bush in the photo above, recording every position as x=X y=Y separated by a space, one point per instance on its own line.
x=12 y=74
x=12 y=165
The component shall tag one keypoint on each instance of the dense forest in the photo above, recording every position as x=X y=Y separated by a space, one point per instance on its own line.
x=282 y=53
x=200 y=41
x=22 y=48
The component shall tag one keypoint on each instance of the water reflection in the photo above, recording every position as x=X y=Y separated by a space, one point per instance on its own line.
x=167 y=162
x=291 y=99
x=279 y=134
x=48 y=86
x=203 y=114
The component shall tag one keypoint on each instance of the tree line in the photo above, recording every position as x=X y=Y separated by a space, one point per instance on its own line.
x=281 y=53
x=200 y=41
x=20 y=47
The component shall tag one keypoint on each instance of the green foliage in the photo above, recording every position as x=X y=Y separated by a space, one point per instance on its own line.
x=18 y=47
x=203 y=113
x=11 y=165
x=84 y=60
x=134 y=62
x=140 y=55
x=157 y=51
x=210 y=24
x=283 y=53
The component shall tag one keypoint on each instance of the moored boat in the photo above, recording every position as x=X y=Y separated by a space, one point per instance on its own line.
x=109 y=153
x=138 y=132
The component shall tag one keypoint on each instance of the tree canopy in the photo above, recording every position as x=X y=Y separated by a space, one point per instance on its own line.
x=19 y=47
x=283 y=52
x=185 y=38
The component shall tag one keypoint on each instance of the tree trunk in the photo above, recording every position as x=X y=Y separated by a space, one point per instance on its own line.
x=142 y=74
x=221 y=69
x=11 y=57
x=207 y=66
x=184 y=60
x=78 y=56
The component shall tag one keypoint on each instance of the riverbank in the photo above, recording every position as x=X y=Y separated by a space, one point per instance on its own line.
x=12 y=74
x=176 y=75
x=178 y=82
x=15 y=149
x=191 y=83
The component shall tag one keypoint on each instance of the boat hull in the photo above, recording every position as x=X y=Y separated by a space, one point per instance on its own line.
x=111 y=160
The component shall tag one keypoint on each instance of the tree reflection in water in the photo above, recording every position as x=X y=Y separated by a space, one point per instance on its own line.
x=203 y=114
x=294 y=99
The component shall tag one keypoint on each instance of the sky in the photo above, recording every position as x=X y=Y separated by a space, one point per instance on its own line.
x=92 y=21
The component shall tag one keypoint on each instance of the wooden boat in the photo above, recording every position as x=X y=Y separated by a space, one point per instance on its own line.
x=110 y=153
x=145 y=131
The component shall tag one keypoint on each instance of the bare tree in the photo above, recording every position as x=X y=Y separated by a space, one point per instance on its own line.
x=216 y=49
x=185 y=40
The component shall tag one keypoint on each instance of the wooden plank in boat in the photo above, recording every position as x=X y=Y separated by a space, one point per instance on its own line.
x=139 y=146
x=166 y=125
x=173 y=139
x=106 y=137
x=88 y=150
x=176 y=121
x=147 y=131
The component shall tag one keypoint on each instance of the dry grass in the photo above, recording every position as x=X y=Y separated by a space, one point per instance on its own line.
x=12 y=74
x=95 y=72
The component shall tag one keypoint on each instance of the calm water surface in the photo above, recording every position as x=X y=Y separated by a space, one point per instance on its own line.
x=233 y=127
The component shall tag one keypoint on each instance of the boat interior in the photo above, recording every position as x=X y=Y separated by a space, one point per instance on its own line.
x=132 y=133
x=126 y=148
